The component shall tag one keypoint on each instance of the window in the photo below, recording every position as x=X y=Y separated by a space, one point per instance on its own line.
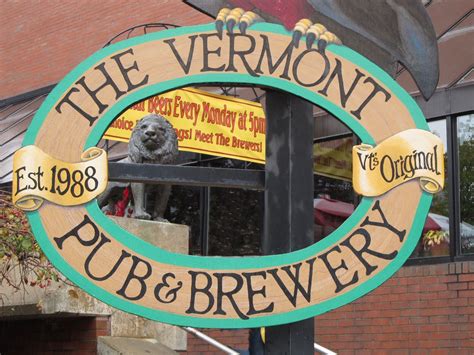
x=236 y=222
x=448 y=231
x=183 y=208
x=235 y=215
x=333 y=194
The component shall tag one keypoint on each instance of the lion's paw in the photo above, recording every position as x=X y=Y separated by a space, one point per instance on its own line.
x=143 y=215
x=313 y=32
x=236 y=16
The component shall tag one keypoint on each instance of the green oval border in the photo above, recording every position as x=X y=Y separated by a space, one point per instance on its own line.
x=222 y=263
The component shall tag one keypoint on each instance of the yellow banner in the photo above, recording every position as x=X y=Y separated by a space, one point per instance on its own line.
x=37 y=177
x=333 y=159
x=408 y=155
x=204 y=123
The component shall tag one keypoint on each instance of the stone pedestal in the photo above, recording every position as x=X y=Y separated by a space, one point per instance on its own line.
x=168 y=236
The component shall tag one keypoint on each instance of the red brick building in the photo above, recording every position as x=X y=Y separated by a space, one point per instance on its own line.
x=427 y=307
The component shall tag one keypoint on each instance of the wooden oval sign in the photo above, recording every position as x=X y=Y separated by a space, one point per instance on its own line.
x=226 y=292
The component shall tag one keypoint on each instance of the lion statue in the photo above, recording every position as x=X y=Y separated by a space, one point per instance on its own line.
x=153 y=141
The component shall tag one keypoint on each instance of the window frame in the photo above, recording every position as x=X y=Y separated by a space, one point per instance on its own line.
x=454 y=201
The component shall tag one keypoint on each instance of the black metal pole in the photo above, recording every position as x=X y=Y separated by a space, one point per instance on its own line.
x=288 y=202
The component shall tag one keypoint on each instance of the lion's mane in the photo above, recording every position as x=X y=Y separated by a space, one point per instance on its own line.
x=167 y=149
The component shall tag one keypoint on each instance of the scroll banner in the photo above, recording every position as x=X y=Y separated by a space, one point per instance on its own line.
x=204 y=122
x=37 y=177
x=408 y=155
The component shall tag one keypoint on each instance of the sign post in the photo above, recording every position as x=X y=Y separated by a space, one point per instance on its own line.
x=288 y=201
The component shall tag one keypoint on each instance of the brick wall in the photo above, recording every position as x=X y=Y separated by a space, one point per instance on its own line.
x=422 y=309
x=236 y=339
x=72 y=335
x=43 y=40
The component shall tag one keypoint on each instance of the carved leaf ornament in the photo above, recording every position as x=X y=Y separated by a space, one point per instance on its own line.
x=125 y=272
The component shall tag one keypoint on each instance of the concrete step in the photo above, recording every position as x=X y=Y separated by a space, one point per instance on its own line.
x=135 y=346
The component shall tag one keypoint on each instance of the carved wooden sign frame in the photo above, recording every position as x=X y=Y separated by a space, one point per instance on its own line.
x=226 y=292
